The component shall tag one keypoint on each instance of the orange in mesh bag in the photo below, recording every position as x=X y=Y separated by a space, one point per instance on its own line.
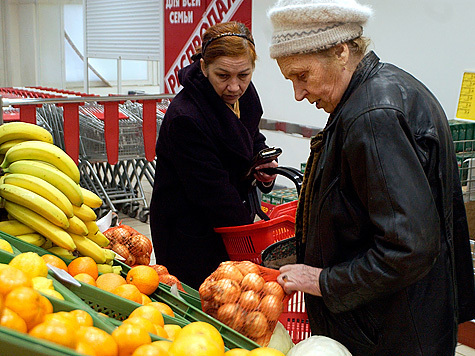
x=134 y=247
x=245 y=297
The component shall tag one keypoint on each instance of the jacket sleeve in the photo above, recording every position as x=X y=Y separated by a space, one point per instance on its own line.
x=387 y=177
x=205 y=181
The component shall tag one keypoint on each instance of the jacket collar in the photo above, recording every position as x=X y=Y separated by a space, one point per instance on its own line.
x=362 y=72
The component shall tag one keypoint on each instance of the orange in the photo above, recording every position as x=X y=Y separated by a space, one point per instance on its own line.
x=27 y=303
x=63 y=317
x=265 y=351
x=83 y=265
x=149 y=350
x=56 y=331
x=163 y=308
x=11 y=278
x=237 y=352
x=102 y=342
x=162 y=344
x=150 y=313
x=46 y=304
x=142 y=322
x=196 y=345
x=30 y=263
x=128 y=291
x=85 y=349
x=129 y=337
x=12 y=320
x=82 y=317
x=145 y=299
x=86 y=278
x=202 y=329
x=110 y=281
x=144 y=277
x=172 y=330
x=160 y=331
x=55 y=261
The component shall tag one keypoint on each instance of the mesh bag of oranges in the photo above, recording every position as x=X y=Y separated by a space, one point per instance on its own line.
x=134 y=247
x=246 y=297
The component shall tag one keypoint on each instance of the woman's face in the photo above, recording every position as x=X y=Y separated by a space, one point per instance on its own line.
x=229 y=76
x=321 y=80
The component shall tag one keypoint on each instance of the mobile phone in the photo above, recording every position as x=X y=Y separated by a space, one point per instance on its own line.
x=264 y=156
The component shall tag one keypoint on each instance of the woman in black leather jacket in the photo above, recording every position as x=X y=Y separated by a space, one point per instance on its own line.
x=382 y=237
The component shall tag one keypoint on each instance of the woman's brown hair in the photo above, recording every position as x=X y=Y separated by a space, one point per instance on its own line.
x=230 y=39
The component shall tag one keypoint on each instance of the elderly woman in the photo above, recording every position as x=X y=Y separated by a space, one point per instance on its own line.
x=382 y=237
x=208 y=139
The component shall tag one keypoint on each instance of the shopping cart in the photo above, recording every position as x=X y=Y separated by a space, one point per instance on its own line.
x=249 y=242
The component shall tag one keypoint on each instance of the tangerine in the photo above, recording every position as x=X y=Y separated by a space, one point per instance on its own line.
x=83 y=264
x=142 y=322
x=160 y=331
x=63 y=317
x=11 y=278
x=162 y=308
x=150 y=313
x=172 y=330
x=85 y=349
x=162 y=344
x=102 y=342
x=202 y=329
x=265 y=351
x=149 y=350
x=55 y=331
x=12 y=320
x=55 y=261
x=144 y=278
x=110 y=281
x=27 y=303
x=237 y=352
x=129 y=337
x=196 y=345
x=145 y=299
x=30 y=263
x=85 y=278
x=82 y=317
x=128 y=291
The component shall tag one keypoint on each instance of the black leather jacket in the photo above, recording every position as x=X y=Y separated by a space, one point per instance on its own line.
x=389 y=227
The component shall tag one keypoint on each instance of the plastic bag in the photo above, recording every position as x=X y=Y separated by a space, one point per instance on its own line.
x=245 y=297
x=134 y=247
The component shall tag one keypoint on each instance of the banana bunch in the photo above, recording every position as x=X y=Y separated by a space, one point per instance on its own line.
x=40 y=191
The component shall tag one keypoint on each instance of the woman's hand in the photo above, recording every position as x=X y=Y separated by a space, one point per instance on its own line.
x=299 y=277
x=264 y=177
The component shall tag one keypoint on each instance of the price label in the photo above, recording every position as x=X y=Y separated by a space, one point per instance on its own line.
x=466 y=105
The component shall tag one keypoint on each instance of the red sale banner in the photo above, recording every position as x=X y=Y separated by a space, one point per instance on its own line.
x=186 y=21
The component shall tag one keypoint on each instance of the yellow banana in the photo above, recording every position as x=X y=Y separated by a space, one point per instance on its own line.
x=34 y=202
x=99 y=238
x=43 y=188
x=45 y=152
x=92 y=227
x=33 y=238
x=104 y=268
x=50 y=174
x=23 y=131
x=4 y=147
x=84 y=213
x=40 y=225
x=77 y=226
x=48 y=244
x=89 y=248
x=91 y=199
x=110 y=256
x=15 y=228
x=62 y=252
x=117 y=269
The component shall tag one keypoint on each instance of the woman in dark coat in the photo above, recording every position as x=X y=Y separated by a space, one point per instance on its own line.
x=207 y=141
x=383 y=246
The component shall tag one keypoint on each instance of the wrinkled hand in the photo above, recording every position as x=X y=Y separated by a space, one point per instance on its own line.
x=264 y=177
x=299 y=277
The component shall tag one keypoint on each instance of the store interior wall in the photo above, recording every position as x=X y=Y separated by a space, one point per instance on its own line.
x=432 y=39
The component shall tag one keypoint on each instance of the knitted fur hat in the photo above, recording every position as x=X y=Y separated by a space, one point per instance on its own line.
x=303 y=26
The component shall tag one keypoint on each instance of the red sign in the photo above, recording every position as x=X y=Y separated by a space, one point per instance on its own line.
x=186 y=21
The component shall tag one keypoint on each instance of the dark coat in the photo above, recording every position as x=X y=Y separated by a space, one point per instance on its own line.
x=203 y=150
x=390 y=227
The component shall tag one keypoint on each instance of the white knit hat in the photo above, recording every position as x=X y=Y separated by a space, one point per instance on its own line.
x=303 y=26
